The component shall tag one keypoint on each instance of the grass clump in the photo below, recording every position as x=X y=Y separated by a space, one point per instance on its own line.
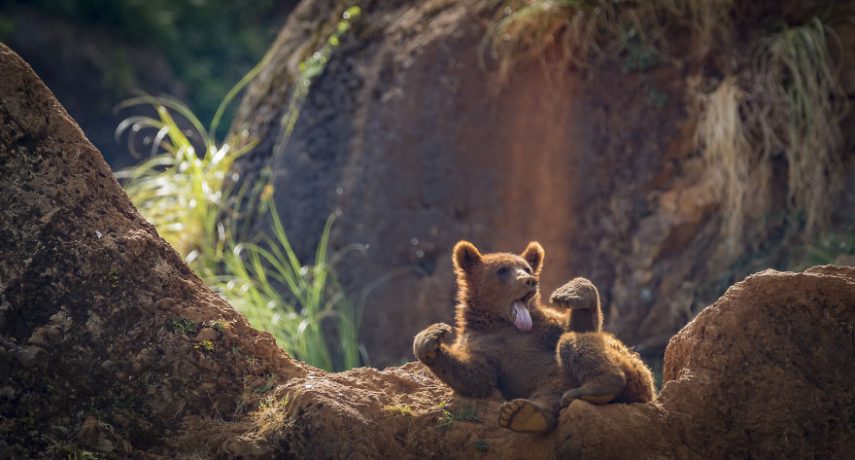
x=268 y=385
x=293 y=300
x=185 y=196
x=183 y=325
x=217 y=325
x=788 y=106
x=722 y=137
x=447 y=417
x=582 y=32
x=799 y=118
x=400 y=409
x=179 y=189
x=184 y=190
x=206 y=346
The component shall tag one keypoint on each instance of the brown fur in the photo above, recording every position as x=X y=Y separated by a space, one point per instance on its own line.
x=596 y=366
x=489 y=353
x=582 y=298
x=600 y=369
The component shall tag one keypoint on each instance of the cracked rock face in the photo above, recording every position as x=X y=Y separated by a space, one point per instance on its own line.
x=100 y=322
x=408 y=135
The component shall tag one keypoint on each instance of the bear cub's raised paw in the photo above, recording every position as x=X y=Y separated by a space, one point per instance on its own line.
x=427 y=343
x=578 y=294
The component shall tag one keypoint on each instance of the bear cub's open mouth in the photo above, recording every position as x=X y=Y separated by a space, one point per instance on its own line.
x=520 y=313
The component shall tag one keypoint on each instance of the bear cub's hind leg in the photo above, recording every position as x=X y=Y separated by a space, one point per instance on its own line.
x=601 y=389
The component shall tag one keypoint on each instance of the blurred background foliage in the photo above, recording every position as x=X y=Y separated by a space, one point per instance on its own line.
x=185 y=189
x=207 y=44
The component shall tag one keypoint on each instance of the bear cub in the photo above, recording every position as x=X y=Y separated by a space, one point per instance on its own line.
x=596 y=366
x=538 y=357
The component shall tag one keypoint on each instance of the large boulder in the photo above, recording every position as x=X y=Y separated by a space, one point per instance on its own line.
x=409 y=133
x=766 y=371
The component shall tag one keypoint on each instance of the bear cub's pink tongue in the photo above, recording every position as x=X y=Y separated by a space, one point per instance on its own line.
x=522 y=318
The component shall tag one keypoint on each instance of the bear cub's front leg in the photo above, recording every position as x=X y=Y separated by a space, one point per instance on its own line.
x=426 y=345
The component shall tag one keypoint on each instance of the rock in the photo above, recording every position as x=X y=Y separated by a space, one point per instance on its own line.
x=766 y=371
x=415 y=143
x=408 y=134
x=77 y=333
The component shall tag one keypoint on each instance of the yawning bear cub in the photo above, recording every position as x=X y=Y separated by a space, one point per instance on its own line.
x=507 y=340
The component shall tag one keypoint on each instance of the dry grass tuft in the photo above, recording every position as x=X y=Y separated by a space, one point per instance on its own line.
x=721 y=136
x=581 y=32
x=789 y=105
x=573 y=31
x=795 y=109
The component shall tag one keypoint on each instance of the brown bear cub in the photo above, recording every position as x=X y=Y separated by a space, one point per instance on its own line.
x=506 y=340
x=597 y=367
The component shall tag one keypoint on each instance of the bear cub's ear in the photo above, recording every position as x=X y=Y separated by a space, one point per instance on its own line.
x=534 y=254
x=465 y=256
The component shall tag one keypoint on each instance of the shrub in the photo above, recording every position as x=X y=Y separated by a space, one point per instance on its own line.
x=187 y=196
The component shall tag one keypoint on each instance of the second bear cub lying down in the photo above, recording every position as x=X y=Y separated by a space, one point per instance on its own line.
x=539 y=357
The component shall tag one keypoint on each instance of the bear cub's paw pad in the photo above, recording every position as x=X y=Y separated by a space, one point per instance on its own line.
x=523 y=416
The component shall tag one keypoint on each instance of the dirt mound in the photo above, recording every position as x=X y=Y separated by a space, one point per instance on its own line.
x=109 y=344
x=406 y=132
x=766 y=371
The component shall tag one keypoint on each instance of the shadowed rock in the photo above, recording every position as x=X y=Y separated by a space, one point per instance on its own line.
x=99 y=317
x=408 y=134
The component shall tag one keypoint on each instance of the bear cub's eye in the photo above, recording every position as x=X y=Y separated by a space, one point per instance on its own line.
x=527 y=270
x=503 y=271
